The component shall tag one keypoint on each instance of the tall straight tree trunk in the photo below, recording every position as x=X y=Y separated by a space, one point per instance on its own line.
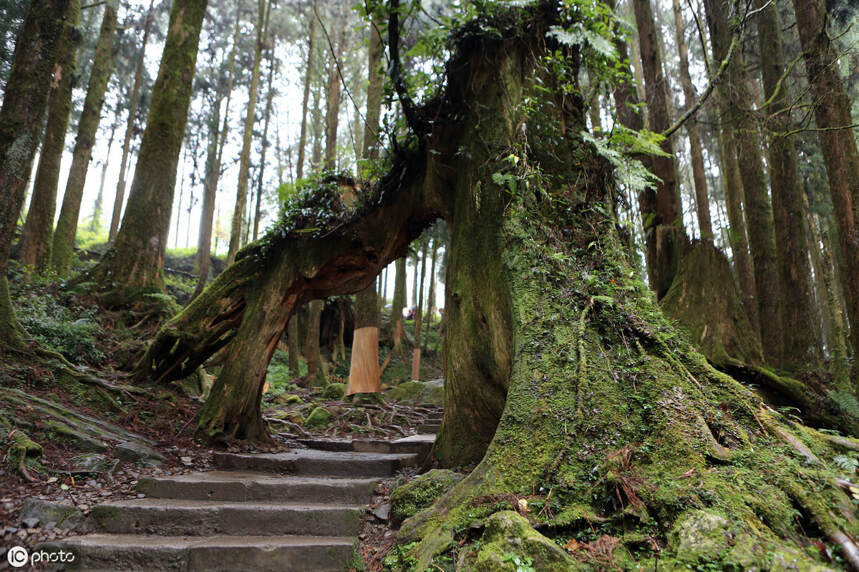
x=24 y=102
x=35 y=247
x=67 y=225
x=312 y=355
x=398 y=302
x=332 y=114
x=305 y=101
x=247 y=139
x=135 y=261
x=213 y=175
x=98 y=207
x=204 y=238
x=661 y=211
x=431 y=294
x=416 y=352
x=758 y=208
x=702 y=202
x=417 y=257
x=801 y=330
x=364 y=373
x=832 y=115
x=269 y=99
x=133 y=99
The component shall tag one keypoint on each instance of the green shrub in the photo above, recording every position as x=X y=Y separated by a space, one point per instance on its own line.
x=73 y=332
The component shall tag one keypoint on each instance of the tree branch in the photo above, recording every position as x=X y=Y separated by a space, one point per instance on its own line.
x=395 y=67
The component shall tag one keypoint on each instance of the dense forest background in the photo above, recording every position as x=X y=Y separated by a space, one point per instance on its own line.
x=241 y=202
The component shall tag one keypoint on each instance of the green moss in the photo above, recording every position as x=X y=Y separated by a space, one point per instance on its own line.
x=418 y=392
x=287 y=399
x=319 y=417
x=412 y=497
x=334 y=391
x=509 y=543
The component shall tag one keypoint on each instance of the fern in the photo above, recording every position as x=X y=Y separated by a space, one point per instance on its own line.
x=846 y=464
x=846 y=402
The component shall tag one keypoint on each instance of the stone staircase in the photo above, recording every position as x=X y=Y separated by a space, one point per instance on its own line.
x=291 y=511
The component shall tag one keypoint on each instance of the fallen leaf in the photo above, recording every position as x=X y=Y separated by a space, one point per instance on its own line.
x=573 y=545
x=690 y=472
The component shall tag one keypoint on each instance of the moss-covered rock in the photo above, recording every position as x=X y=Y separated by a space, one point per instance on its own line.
x=430 y=393
x=63 y=515
x=334 y=391
x=410 y=498
x=319 y=417
x=63 y=432
x=701 y=536
x=287 y=399
x=510 y=543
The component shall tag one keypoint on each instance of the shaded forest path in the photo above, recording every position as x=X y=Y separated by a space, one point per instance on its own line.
x=297 y=510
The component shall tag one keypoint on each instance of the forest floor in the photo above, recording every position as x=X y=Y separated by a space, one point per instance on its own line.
x=85 y=453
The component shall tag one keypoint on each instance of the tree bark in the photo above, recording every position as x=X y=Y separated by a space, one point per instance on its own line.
x=213 y=174
x=758 y=209
x=24 y=102
x=133 y=100
x=135 y=261
x=832 y=115
x=332 y=113
x=419 y=295
x=398 y=303
x=67 y=225
x=702 y=202
x=802 y=348
x=431 y=294
x=305 y=101
x=269 y=99
x=661 y=211
x=250 y=118
x=98 y=207
x=35 y=247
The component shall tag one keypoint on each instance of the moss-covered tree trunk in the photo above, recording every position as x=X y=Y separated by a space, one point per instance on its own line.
x=135 y=260
x=247 y=138
x=832 y=114
x=34 y=250
x=802 y=348
x=24 y=102
x=614 y=432
x=64 y=235
x=431 y=294
x=305 y=101
x=133 y=99
x=260 y=179
x=758 y=209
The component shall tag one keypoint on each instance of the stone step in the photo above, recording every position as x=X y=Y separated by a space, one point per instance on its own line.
x=174 y=517
x=415 y=444
x=108 y=553
x=236 y=486
x=313 y=462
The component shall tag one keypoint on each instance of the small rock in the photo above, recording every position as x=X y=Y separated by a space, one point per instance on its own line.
x=21 y=533
x=187 y=461
x=92 y=462
x=135 y=451
x=141 y=496
x=362 y=536
x=30 y=522
x=383 y=512
x=63 y=514
x=51 y=526
x=91 y=483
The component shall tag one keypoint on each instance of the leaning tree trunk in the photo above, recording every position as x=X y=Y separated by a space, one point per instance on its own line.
x=24 y=102
x=613 y=426
x=832 y=114
x=35 y=248
x=135 y=260
x=67 y=225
